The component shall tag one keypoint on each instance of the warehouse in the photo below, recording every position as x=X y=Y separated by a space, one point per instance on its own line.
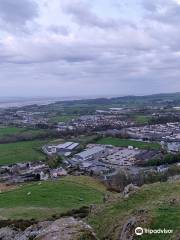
x=91 y=153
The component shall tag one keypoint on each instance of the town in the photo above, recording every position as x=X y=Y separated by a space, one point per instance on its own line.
x=118 y=140
x=69 y=154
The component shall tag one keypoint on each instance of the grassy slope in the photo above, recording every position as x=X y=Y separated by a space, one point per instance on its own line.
x=126 y=142
x=21 y=152
x=155 y=198
x=50 y=197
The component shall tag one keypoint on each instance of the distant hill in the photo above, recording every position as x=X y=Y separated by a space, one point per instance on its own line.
x=79 y=107
x=128 y=101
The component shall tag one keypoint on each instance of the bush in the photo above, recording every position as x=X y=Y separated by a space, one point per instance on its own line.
x=122 y=179
x=54 y=162
x=167 y=159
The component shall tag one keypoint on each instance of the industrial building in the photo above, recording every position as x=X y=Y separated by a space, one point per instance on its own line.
x=61 y=149
x=91 y=153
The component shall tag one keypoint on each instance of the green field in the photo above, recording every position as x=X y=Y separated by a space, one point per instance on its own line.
x=154 y=200
x=142 y=119
x=118 y=142
x=51 y=197
x=12 y=131
x=63 y=118
x=21 y=152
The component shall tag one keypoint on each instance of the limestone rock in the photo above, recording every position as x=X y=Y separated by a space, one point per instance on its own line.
x=129 y=189
x=7 y=233
x=67 y=228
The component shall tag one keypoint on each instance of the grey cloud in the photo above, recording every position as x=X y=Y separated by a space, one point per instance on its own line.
x=83 y=15
x=164 y=11
x=15 y=14
x=104 y=56
x=58 y=29
x=32 y=52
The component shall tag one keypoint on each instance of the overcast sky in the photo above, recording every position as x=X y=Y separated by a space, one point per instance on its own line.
x=89 y=47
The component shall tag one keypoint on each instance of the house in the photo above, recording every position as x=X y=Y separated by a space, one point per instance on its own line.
x=162 y=168
x=172 y=147
x=58 y=172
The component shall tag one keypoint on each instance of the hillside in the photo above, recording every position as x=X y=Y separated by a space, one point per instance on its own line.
x=44 y=199
x=153 y=206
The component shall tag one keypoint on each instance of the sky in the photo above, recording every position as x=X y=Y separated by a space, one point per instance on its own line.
x=63 y=48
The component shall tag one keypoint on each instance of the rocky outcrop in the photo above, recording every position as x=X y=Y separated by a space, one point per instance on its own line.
x=7 y=233
x=129 y=190
x=128 y=229
x=67 y=228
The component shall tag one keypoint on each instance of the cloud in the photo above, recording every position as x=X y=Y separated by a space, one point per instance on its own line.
x=16 y=14
x=80 y=47
x=83 y=14
x=58 y=29
x=164 y=11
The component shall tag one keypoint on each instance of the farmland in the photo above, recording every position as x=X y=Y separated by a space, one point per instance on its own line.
x=21 y=152
x=62 y=118
x=142 y=119
x=4 y=131
x=11 y=133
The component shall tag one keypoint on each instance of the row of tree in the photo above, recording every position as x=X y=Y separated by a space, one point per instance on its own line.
x=124 y=178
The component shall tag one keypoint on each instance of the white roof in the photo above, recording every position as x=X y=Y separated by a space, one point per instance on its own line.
x=67 y=145
x=72 y=146
x=64 y=145
x=89 y=152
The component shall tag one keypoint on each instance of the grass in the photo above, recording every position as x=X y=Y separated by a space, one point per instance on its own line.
x=9 y=131
x=50 y=197
x=118 y=142
x=21 y=152
x=62 y=118
x=12 y=131
x=142 y=119
x=87 y=181
x=167 y=217
x=154 y=198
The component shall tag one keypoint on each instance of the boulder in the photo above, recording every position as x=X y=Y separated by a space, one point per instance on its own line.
x=128 y=229
x=7 y=233
x=129 y=189
x=67 y=228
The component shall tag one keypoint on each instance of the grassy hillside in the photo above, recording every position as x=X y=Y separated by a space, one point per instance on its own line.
x=126 y=142
x=21 y=152
x=156 y=205
x=50 y=197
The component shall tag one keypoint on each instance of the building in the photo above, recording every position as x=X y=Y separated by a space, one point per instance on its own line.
x=172 y=147
x=66 y=148
x=89 y=154
x=61 y=149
